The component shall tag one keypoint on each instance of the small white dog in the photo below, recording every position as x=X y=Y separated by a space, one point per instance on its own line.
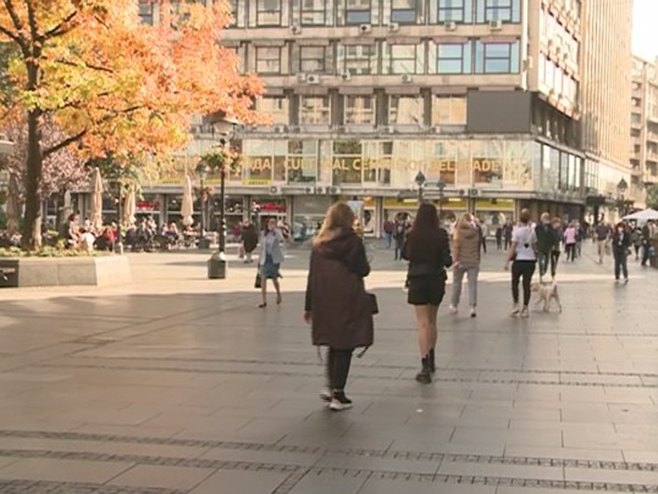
x=547 y=293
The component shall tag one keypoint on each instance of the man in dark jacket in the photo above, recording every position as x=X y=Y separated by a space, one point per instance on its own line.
x=547 y=239
x=249 y=240
x=646 y=242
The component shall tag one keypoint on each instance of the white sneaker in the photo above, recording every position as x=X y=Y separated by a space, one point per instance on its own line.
x=453 y=309
x=473 y=312
x=525 y=313
x=515 y=310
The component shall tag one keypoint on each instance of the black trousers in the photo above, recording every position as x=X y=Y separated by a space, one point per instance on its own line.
x=570 y=250
x=645 y=253
x=555 y=257
x=338 y=367
x=525 y=270
x=621 y=263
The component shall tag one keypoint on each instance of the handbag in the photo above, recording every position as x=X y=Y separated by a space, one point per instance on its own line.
x=258 y=283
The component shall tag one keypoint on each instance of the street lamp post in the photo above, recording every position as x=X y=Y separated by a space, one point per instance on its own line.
x=202 y=171
x=622 y=187
x=441 y=185
x=118 y=246
x=420 y=181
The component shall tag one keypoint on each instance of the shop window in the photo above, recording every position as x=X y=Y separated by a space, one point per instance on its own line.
x=404 y=59
x=302 y=161
x=268 y=60
x=359 y=109
x=268 y=13
x=357 y=11
x=312 y=59
x=360 y=59
x=497 y=58
x=498 y=10
x=449 y=110
x=315 y=110
x=406 y=110
x=403 y=11
x=277 y=107
x=454 y=58
x=459 y=11
x=314 y=12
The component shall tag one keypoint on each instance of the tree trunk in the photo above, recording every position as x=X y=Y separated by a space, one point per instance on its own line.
x=32 y=224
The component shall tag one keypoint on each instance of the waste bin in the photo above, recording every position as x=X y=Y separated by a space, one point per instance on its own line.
x=217 y=266
x=8 y=273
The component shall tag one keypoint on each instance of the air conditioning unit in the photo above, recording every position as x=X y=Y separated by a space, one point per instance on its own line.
x=365 y=28
x=309 y=190
x=436 y=129
x=301 y=77
x=451 y=26
x=474 y=193
x=279 y=129
x=394 y=27
x=294 y=129
x=312 y=79
x=296 y=29
x=333 y=190
x=274 y=190
x=320 y=190
x=346 y=76
x=496 y=25
x=387 y=129
x=407 y=78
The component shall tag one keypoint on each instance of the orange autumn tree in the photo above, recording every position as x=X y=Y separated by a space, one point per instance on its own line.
x=112 y=84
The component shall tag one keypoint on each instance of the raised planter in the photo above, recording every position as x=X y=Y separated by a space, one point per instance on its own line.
x=66 y=271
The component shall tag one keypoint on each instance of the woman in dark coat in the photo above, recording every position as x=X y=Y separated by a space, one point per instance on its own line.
x=249 y=240
x=428 y=251
x=621 y=244
x=337 y=305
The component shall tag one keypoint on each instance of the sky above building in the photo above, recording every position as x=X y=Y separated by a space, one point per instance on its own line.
x=645 y=28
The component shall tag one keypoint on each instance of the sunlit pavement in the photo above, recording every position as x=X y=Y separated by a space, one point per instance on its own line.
x=179 y=384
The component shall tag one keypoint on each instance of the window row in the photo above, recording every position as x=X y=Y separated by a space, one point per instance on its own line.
x=470 y=57
x=553 y=78
x=552 y=31
x=275 y=13
x=364 y=110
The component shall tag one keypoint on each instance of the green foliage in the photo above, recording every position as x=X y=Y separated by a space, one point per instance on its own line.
x=57 y=251
x=652 y=196
x=215 y=160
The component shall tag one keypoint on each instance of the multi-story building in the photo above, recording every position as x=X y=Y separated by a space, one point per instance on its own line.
x=480 y=96
x=644 y=123
x=606 y=68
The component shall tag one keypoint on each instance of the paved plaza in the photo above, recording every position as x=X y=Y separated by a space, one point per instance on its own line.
x=178 y=384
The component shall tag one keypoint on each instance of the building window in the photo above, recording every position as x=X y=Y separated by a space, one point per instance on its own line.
x=360 y=59
x=277 y=107
x=449 y=110
x=403 y=11
x=359 y=109
x=454 y=59
x=406 y=110
x=268 y=12
x=268 y=60
x=302 y=161
x=235 y=12
x=404 y=59
x=497 y=58
x=357 y=11
x=454 y=11
x=312 y=59
x=315 y=110
x=498 y=10
x=146 y=11
x=314 y=12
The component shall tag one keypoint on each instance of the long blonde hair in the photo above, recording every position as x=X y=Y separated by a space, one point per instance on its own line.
x=339 y=217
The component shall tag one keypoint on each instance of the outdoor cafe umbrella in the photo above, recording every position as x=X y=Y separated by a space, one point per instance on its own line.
x=97 y=202
x=646 y=215
x=129 y=208
x=187 y=205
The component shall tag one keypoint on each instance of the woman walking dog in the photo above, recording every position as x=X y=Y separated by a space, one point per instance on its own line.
x=524 y=260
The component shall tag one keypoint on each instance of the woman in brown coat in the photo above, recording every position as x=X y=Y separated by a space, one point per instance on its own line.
x=337 y=304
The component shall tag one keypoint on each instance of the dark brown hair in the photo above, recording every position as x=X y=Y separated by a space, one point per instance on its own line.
x=424 y=235
x=525 y=216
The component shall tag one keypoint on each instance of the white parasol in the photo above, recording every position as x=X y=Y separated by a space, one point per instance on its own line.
x=187 y=206
x=129 y=208
x=97 y=202
x=646 y=215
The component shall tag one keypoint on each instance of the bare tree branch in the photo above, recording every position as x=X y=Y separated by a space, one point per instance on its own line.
x=62 y=144
x=61 y=29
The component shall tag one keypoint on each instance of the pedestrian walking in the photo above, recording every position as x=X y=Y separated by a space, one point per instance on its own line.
x=647 y=235
x=249 y=240
x=499 y=237
x=428 y=251
x=466 y=250
x=580 y=236
x=270 y=259
x=547 y=239
x=555 y=252
x=484 y=231
x=602 y=235
x=507 y=233
x=337 y=305
x=636 y=238
x=570 y=242
x=389 y=227
x=522 y=255
x=399 y=235
x=621 y=244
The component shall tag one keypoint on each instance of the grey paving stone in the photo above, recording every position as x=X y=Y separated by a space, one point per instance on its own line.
x=388 y=486
x=63 y=470
x=169 y=477
x=234 y=481
x=329 y=483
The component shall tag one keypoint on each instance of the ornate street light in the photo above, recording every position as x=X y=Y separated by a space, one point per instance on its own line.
x=622 y=187
x=420 y=181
